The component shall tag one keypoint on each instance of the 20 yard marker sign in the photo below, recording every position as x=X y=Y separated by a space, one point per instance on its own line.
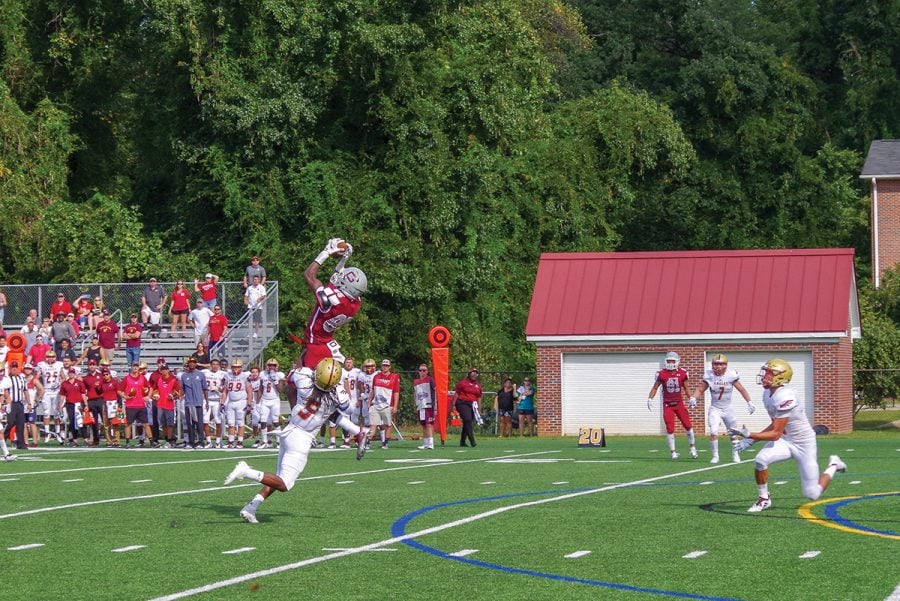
x=591 y=437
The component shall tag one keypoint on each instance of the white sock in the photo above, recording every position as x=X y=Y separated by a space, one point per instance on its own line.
x=3 y=446
x=714 y=447
x=690 y=434
x=763 y=490
x=670 y=438
x=255 y=475
x=831 y=470
x=256 y=502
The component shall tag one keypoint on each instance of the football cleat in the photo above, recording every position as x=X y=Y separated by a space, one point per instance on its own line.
x=362 y=444
x=693 y=453
x=238 y=473
x=674 y=455
x=332 y=446
x=761 y=504
x=249 y=515
x=715 y=459
x=9 y=457
x=735 y=457
x=263 y=445
x=836 y=461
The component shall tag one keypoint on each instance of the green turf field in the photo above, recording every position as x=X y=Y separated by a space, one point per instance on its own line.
x=507 y=520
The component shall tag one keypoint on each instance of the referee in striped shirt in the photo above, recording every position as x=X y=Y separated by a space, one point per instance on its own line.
x=14 y=397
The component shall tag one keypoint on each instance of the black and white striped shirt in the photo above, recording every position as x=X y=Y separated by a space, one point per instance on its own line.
x=15 y=388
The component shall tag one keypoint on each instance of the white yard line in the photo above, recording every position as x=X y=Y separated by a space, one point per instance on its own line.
x=127 y=549
x=397 y=539
x=236 y=551
x=463 y=552
x=132 y=465
x=895 y=596
x=577 y=554
x=25 y=547
x=233 y=486
x=809 y=554
x=694 y=554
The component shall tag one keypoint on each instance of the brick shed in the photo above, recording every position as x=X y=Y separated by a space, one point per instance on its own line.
x=602 y=323
x=882 y=171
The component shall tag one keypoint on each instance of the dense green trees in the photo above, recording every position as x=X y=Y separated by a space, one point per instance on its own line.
x=450 y=141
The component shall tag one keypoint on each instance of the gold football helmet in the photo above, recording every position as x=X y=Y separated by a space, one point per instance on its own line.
x=781 y=373
x=328 y=374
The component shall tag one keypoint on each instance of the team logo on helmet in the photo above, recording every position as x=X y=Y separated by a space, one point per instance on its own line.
x=353 y=282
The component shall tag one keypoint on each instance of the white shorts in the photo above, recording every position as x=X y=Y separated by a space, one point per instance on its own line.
x=718 y=416
x=153 y=316
x=254 y=415
x=48 y=404
x=380 y=417
x=213 y=414
x=269 y=411
x=234 y=413
x=806 y=456
x=293 y=452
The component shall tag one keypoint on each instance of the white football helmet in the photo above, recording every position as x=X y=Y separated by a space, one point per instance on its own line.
x=672 y=360
x=352 y=282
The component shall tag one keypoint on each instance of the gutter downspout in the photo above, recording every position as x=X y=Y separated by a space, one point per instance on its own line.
x=875 y=262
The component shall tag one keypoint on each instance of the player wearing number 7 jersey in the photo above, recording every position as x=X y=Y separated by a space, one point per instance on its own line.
x=721 y=382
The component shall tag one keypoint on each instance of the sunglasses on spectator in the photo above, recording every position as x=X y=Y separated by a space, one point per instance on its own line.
x=422 y=369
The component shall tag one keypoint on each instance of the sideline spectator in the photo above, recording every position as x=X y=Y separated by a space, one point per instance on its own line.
x=201 y=356
x=38 y=350
x=96 y=313
x=66 y=351
x=72 y=395
x=132 y=388
x=207 y=289
x=92 y=383
x=45 y=330
x=3 y=303
x=92 y=353
x=253 y=300
x=153 y=301
x=61 y=329
x=109 y=391
x=60 y=306
x=108 y=332
x=384 y=401
x=254 y=268
x=504 y=406
x=35 y=392
x=526 y=407
x=180 y=307
x=195 y=387
x=131 y=333
x=4 y=350
x=218 y=325
x=13 y=391
x=199 y=320
x=468 y=391
x=167 y=390
x=30 y=331
x=71 y=319
x=426 y=401
x=83 y=309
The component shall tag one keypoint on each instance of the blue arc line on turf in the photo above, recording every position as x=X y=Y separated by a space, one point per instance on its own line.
x=833 y=513
x=398 y=529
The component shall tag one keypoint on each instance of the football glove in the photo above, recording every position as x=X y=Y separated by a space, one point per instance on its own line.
x=692 y=402
x=742 y=444
x=743 y=432
x=332 y=246
x=650 y=404
x=751 y=408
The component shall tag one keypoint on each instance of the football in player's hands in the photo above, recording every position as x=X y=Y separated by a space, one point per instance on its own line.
x=340 y=248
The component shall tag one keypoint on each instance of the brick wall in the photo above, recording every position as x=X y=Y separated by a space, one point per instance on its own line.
x=832 y=379
x=888 y=224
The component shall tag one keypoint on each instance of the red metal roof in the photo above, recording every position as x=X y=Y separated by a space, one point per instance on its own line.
x=693 y=292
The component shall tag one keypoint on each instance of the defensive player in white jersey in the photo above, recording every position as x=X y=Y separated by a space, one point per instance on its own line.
x=51 y=377
x=272 y=385
x=788 y=436
x=348 y=382
x=237 y=393
x=319 y=398
x=215 y=378
x=721 y=382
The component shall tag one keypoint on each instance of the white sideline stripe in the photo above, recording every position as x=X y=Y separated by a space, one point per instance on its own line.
x=577 y=554
x=391 y=541
x=346 y=482
x=116 y=467
x=207 y=481
x=127 y=549
x=140 y=481
x=416 y=482
x=856 y=482
x=560 y=482
x=463 y=552
x=9 y=480
x=345 y=549
x=489 y=482
x=706 y=483
x=75 y=480
x=240 y=550
x=809 y=554
x=603 y=461
x=24 y=547
x=694 y=554
x=895 y=596
x=233 y=486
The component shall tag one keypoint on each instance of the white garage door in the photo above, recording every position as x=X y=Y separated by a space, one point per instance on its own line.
x=609 y=390
x=747 y=365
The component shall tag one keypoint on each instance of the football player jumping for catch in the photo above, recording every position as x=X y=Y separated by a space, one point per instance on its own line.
x=721 y=382
x=336 y=303
x=319 y=398
x=789 y=435
x=672 y=378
